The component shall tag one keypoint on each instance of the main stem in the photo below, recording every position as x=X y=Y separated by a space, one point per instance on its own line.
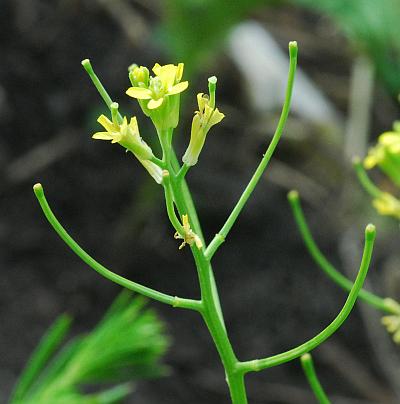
x=211 y=311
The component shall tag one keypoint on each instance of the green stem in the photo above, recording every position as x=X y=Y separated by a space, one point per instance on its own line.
x=97 y=83
x=169 y=200
x=211 y=311
x=102 y=270
x=221 y=235
x=260 y=364
x=309 y=371
x=365 y=181
x=182 y=172
x=346 y=284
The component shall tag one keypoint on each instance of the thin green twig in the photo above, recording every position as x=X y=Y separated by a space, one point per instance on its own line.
x=365 y=181
x=260 y=364
x=169 y=200
x=101 y=269
x=345 y=283
x=221 y=235
x=309 y=371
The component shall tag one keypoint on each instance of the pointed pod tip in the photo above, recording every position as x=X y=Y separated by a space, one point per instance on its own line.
x=370 y=231
x=212 y=80
x=356 y=160
x=305 y=357
x=86 y=64
x=293 y=50
x=293 y=195
x=38 y=190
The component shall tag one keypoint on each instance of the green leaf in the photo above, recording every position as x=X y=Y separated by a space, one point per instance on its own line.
x=43 y=352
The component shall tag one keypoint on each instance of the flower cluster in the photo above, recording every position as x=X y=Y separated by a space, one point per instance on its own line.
x=159 y=99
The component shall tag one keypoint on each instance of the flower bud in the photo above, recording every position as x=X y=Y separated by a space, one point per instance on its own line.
x=159 y=96
x=203 y=120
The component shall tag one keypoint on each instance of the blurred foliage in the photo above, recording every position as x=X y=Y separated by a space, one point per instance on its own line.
x=125 y=346
x=372 y=27
x=193 y=29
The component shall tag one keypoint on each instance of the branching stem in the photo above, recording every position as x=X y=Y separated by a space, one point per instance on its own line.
x=179 y=200
x=346 y=284
x=217 y=241
x=260 y=364
x=101 y=269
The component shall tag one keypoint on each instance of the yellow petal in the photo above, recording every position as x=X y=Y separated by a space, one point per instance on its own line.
x=117 y=138
x=153 y=104
x=133 y=125
x=388 y=138
x=124 y=127
x=178 y=88
x=370 y=162
x=107 y=124
x=102 y=136
x=216 y=117
x=179 y=72
x=166 y=73
x=156 y=68
x=139 y=93
x=202 y=101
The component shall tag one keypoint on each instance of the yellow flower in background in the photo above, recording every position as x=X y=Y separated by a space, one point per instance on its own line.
x=375 y=155
x=386 y=155
x=390 y=140
x=386 y=204
x=189 y=236
x=392 y=324
x=388 y=146
x=167 y=82
x=203 y=120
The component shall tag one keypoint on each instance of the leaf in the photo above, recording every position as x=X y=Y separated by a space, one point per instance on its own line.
x=43 y=352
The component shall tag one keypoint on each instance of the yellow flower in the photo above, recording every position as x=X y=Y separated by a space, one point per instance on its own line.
x=392 y=324
x=167 y=82
x=387 y=204
x=189 y=236
x=126 y=135
x=375 y=155
x=388 y=144
x=203 y=120
x=390 y=140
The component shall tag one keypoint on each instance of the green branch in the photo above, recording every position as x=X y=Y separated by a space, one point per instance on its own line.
x=169 y=200
x=346 y=284
x=102 y=270
x=221 y=235
x=365 y=181
x=260 y=364
x=309 y=371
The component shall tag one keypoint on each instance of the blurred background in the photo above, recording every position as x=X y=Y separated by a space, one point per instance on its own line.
x=272 y=293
